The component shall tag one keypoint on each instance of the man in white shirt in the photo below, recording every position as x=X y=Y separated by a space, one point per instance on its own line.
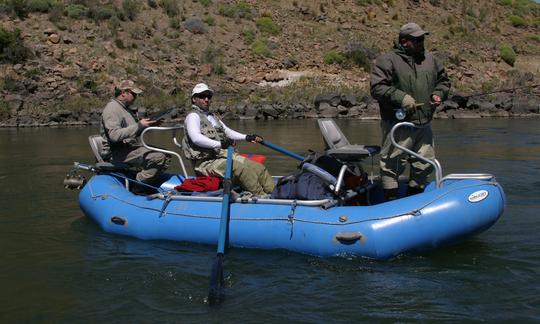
x=205 y=144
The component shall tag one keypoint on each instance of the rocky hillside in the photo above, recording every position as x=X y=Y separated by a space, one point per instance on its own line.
x=266 y=59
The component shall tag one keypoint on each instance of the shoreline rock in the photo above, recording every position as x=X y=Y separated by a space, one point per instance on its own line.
x=330 y=105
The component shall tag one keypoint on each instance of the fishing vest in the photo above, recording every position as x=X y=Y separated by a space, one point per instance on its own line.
x=194 y=152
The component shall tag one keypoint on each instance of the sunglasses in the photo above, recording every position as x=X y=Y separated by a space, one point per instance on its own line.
x=204 y=96
x=417 y=39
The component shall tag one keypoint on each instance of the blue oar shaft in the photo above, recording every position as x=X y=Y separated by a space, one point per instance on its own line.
x=227 y=183
x=282 y=150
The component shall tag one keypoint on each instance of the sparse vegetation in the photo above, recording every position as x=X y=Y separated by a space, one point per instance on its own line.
x=205 y=3
x=76 y=11
x=334 y=57
x=131 y=9
x=12 y=49
x=249 y=35
x=364 y=3
x=517 y=21
x=260 y=48
x=39 y=5
x=241 y=9
x=170 y=7
x=268 y=26
x=508 y=55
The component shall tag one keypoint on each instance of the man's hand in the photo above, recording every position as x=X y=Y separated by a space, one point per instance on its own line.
x=436 y=100
x=254 y=138
x=408 y=102
x=147 y=122
x=226 y=142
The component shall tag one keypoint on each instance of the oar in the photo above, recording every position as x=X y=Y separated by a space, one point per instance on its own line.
x=282 y=150
x=216 y=294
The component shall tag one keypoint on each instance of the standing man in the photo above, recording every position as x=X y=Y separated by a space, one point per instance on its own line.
x=205 y=144
x=408 y=78
x=121 y=128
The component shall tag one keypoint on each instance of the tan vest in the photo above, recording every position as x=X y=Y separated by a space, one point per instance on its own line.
x=196 y=153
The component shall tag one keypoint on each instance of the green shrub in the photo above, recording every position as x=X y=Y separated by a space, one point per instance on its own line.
x=114 y=24
x=364 y=3
x=334 y=57
x=12 y=49
x=18 y=7
x=266 y=25
x=209 y=20
x=170 y=7
x=131 y=9
x=260 y=48
x=39 y=5
x=175 y=23
x=206 y=3
x=518 y=21
x=152 y=4
x=56 y=12
x=99 y=13
x=241 y=9
x=249 y=35
x=508 y=55
x=507 y=3
x=534 y=38
x=119 y=43
x=359 y=54
x=76 y=11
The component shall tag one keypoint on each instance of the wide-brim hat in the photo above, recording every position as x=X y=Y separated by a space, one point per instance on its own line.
x=201 y=88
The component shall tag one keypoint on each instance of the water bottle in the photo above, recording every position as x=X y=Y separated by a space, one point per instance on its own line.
x=401 y=113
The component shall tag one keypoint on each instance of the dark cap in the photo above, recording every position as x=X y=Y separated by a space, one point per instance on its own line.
x=411 y=30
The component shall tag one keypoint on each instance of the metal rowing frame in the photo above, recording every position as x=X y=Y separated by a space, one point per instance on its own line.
x=439 y=179
x=175 y=141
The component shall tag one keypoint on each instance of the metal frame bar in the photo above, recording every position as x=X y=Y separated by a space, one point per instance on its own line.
x=435 y=163
x=175 y=141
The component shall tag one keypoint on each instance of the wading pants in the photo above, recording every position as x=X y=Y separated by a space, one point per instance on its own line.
x=152 y=163
x=393 y=160
x=249 y=175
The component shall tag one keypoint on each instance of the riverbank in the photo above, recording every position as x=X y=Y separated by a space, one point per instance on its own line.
x=330 y=105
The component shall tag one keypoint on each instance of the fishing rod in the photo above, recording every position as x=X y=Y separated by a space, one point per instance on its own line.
x=492 y=92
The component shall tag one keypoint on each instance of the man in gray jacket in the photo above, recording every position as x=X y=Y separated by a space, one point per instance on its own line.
x=409 y=83
x=121 y=128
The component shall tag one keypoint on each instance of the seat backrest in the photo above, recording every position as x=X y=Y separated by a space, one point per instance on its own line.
x=332 y=135
x=96 y=144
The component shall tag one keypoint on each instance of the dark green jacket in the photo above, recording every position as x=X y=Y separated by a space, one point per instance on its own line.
x=396 y=74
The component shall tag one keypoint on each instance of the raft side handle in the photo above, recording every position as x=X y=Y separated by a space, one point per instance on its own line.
x=119 y=220
x=348 y=238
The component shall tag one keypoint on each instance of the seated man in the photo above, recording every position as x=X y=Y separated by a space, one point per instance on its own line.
x=121 y=128
x=205 y=142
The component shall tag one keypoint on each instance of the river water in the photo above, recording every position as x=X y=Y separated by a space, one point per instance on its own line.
x=58 y=266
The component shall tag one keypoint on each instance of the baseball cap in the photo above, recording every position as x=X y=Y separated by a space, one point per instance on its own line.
x=200 y=88
x=129 y=85
x=411 y=30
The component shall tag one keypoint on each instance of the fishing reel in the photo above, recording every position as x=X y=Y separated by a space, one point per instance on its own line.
x=74 y=180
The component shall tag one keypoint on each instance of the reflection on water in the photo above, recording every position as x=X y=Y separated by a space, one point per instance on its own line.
x=57 y=266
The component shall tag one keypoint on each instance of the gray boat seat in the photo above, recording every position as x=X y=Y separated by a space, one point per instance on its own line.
x=96 y=144
x=339 y=147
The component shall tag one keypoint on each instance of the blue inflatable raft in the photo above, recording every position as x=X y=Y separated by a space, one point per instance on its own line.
x=451 y=209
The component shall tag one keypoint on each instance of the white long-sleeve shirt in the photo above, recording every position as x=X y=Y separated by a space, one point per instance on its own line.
x=192 y=123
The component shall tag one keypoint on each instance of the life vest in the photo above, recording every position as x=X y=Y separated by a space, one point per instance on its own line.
x=197 y=153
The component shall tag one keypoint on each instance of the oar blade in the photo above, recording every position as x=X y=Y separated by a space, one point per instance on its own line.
x=216 y=292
